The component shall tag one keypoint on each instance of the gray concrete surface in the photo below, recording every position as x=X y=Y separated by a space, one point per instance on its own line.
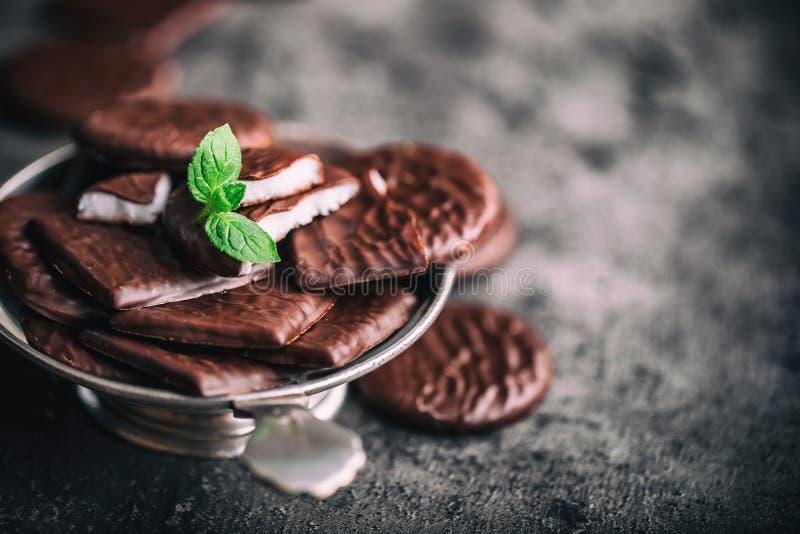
x=650 y=150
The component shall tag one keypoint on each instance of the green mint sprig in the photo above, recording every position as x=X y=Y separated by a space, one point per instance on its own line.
x=212 y=176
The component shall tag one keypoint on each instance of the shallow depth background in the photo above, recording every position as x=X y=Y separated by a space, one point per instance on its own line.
x=650 y=151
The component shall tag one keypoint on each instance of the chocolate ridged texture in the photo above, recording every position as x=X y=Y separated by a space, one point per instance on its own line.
x=122 y=268
x=454 y=198
x=163 y=133
x=363 y=241
x=353 y=326
x=31 y=278
x=195 y=371
x=159 y=26
x=475 y=368
x=61 y=343
x=246 y=317
x=139 y=187
x=63 y=82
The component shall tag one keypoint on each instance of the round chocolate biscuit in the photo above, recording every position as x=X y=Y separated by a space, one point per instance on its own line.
x=475 y=368
x=163 y=133
x=63 y=82
x=491 y=249
x=455 y=200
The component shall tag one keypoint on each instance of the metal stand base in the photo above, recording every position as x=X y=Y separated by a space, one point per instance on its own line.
x=215 y=434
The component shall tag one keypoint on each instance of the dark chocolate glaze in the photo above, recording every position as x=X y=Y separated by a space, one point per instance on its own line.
x=63 y=82
x=32 y=280
x=246 y=317
x=159 y=26
x=61 y=343
x=163 y=133
x=475 y=368
x=334 y=176
x=492 y=248
x=364 y=241
x=122 y=268
x=193 y=370
x=263 y=163
x=353 y=326
x=139 y=187
x=455 y=199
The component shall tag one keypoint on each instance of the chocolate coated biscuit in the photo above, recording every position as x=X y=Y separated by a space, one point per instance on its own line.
x=135 y=198
x=363 y=241
x=455 y=200
x=31 y=278
x=354 y=325
x=240 y=318
x=274 y=172
x=475 y=368
x=61 y=343
x=163 y=133
x=139 y=187
x=193 y=370
x=122 y=268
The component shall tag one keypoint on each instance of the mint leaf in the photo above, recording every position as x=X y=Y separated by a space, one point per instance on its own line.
x=211 y=178
x=198 y=187
x=226 y=198
x=216 y=162
x=240 y=238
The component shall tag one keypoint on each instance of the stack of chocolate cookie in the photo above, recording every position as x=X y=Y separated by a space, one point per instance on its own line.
x=122 y=282
x=101 y=51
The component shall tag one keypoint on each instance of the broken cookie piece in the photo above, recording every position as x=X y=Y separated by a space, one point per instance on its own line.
x=282 y=216
x=137 y=199
x=273 y=172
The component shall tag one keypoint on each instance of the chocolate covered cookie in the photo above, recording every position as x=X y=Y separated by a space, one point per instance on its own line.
x=162 y=133
x=136 y=198
x=122 y=268
x=61 y=343
x=475 y=368
x=364 y=241
x=31 y=278
x=239 y=318
x=63 y=82
x=354 y=325
x=455 y=200
x=195 y=371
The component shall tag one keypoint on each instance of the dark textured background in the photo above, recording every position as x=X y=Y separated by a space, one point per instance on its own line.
x=650 y=150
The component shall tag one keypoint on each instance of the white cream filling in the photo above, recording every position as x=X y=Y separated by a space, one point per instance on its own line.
x=297 y=177
x=105 y=207
x=326 y=201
